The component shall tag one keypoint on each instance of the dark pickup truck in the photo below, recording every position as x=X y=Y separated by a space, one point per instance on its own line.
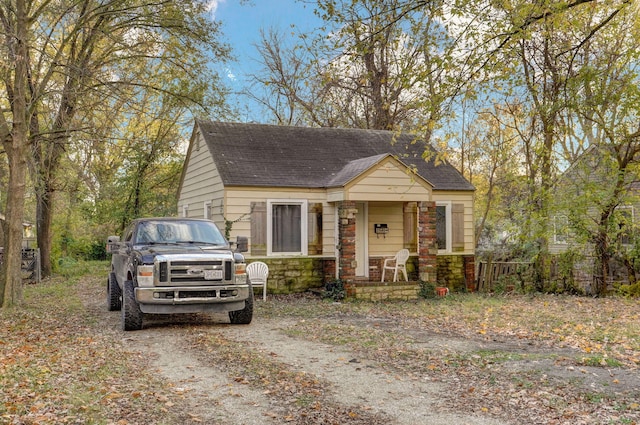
x=176 y=265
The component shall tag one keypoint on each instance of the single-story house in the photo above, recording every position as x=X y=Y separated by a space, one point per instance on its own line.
x=318 y=204
x=591 y=195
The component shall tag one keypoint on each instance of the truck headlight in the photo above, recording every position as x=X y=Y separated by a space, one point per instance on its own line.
x=240 y=273
x=241 y=268
x=145 y=275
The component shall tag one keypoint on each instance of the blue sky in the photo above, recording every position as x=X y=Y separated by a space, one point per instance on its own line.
x=241 y=24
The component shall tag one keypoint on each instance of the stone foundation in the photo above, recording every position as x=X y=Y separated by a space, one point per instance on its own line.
x=300 y=274
x=387 y=291
x=456 y=272
x=292 y=275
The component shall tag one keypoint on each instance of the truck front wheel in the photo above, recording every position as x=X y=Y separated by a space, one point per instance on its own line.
x=131 y=313
x=244 y=316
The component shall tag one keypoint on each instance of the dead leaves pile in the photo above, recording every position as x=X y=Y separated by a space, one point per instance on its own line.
x=301 y=398
x=544 y=360
x=526 y=359
x=57 y=366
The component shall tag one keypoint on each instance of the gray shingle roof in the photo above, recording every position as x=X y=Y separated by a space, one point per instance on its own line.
x=354 y=168
x=270 y=155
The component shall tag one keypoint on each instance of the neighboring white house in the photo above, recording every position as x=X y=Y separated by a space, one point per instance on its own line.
x=324 y=203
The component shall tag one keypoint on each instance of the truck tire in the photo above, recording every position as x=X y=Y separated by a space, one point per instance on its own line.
x=114 y=294
x=244 y=316
x=131 y=313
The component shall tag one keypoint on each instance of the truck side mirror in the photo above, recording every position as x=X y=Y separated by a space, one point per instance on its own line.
x=242 y=244
x=111 y=241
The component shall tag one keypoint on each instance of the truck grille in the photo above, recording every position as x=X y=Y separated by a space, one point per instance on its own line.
x=194 y=272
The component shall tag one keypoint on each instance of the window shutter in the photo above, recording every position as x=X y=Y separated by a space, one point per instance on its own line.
x=314 y=225
x=410 y=226
x=258 y=228
x=457 y=227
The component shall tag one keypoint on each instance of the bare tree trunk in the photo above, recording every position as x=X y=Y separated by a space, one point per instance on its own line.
x=601 y=266
x=12 y=259
x=15 y=145
x=631 y=270
x=44 y=214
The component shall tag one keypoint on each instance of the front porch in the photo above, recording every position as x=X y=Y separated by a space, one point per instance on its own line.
x=355 y=248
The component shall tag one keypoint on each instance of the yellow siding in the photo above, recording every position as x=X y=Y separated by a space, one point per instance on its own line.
x=392 y=215
x=388 y=182
x=238 y=205
x=238 y=209
x=201 y=184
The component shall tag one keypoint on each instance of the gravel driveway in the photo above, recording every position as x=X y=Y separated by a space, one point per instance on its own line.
x=196 y=356
x=219 y=398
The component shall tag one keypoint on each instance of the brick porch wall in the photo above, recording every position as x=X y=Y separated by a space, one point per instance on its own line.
x=470 y=272
x=347 y=250
x=427 y=263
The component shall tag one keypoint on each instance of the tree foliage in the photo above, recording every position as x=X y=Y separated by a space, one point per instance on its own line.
x=381 y=68
x=76 y=72
x=538 y=82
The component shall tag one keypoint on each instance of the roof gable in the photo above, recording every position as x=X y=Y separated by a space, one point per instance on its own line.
x=383 y=178
x=279 y=156
x=359 y=167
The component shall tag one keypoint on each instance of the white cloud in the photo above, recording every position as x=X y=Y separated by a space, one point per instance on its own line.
x=213 y=6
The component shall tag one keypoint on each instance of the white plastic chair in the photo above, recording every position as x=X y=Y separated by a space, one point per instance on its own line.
x=399 y=262
x=258 y=273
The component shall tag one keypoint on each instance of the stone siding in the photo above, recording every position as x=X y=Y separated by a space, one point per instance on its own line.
x=403 y=291
x=291 y=275
x=452 y=272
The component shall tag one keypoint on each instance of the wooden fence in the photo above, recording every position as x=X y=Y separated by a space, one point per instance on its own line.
x=490 y=272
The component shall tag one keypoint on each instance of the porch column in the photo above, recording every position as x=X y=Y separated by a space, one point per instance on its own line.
x=427 y=248
x=347 y=237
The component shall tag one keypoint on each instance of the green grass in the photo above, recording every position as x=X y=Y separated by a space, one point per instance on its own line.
x=600 y=361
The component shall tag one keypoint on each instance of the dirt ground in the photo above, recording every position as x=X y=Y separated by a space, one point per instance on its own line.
x=366 y=388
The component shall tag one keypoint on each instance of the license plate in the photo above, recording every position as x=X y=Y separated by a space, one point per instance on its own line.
x=213 y=274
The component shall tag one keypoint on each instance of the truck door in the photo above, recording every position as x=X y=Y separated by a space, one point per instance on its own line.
x=120 y=255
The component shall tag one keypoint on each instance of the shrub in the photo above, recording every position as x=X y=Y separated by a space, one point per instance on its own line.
x=427 y=290
x=632 y=291
x=505 y=284
x=334 y=290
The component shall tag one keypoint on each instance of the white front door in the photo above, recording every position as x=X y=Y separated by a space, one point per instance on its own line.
x=362 y=236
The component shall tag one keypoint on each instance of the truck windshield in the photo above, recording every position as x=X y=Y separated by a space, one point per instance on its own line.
x=179 y=231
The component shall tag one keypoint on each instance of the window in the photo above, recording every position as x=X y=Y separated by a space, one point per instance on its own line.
x=287 y=227
x=450 y=222
x=443 y=227
x=207 y=210
x=185 y=211
x=177 y=231
x=561 y=229
x=262 y=227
